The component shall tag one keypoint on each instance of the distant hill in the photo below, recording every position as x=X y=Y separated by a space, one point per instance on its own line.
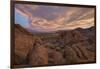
x=19 y=28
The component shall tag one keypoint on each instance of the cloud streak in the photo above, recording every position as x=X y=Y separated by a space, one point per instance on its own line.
x=51 y=18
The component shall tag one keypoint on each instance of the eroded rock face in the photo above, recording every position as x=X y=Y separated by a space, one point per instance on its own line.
x=55 y=57
x=67 y=47
x=78 y=53
x=23 y=43
x=79 y=45
x=72 y=36
x=38 y=56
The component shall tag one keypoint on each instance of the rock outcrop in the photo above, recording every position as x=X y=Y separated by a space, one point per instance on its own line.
x=55 y=57
x=23 y=43
x=61 y=47
x=38 y=55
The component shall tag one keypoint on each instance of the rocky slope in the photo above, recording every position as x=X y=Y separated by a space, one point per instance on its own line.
x=23 y=43
x=61 y=47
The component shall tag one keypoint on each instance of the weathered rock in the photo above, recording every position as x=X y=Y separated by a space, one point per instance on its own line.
x=70 y=55
x=23 y=43
x=67 y=47
x=55 y=57
x=78 y=53
x=38 y=56
x=72 y=36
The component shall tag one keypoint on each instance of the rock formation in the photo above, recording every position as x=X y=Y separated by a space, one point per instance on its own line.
x=61 y=47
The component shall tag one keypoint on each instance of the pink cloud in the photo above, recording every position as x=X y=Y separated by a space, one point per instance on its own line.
x=72 y=18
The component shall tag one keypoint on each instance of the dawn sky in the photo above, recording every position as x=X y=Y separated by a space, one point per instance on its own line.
x=52 y=18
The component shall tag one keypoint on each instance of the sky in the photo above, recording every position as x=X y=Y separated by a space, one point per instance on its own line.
x=52 y=18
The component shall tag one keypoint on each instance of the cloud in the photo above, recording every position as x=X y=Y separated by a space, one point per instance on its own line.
x=77 y=17
x=44 y=24
x=81 y=24
x=51 y=18
x=25 y=9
